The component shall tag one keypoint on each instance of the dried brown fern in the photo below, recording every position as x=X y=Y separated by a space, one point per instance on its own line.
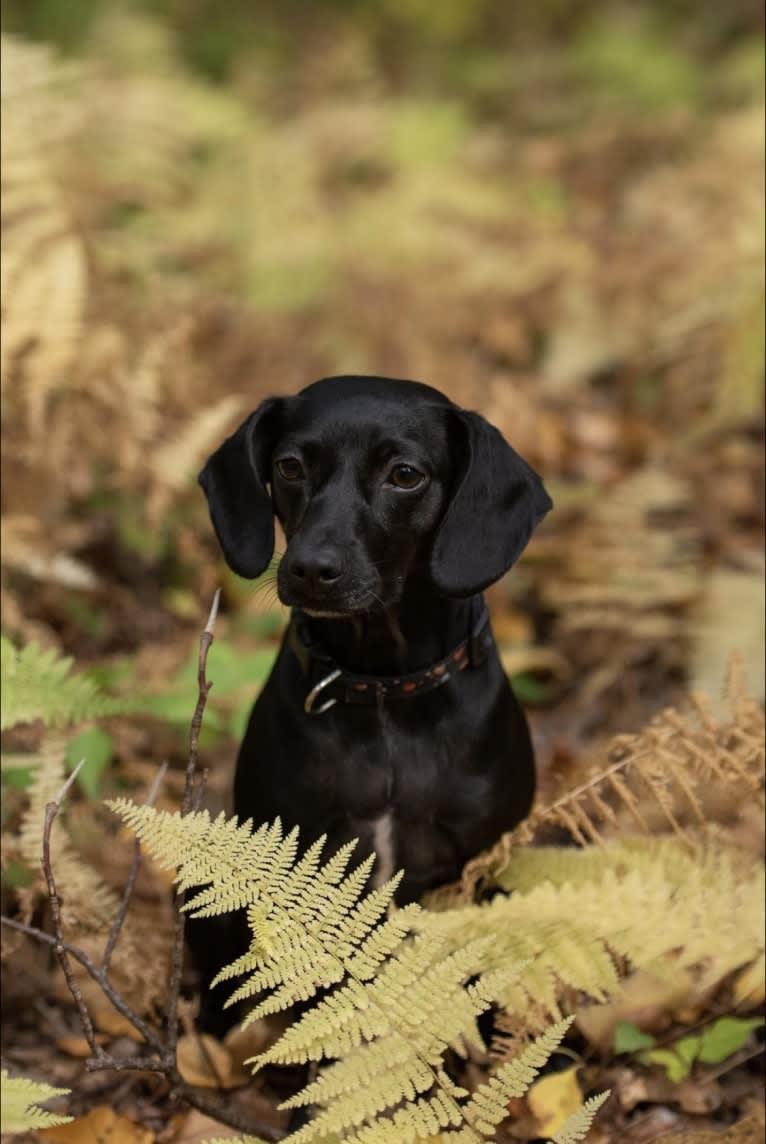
x=44 y=279
x=621 y=584
x=683 y=771
x=89 y=905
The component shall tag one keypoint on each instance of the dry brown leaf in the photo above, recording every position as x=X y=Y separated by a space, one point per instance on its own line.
x=101 y=1126
x=749 y=1130
x=106 y=1018
x=646 y=1001
x=196 y=1128
x=77 y=1046
x=749 y=989
x=204 y=1061
x=255 y=1038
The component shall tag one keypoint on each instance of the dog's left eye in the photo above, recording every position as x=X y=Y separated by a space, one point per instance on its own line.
x=290 y=468
x=405 y=477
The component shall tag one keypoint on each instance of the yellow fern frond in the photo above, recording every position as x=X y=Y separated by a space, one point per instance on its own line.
x=18 y=1100
x=576 y=1126
x=489 y=1104
x=655 y=905
x=397 y=999
x=235 y=1140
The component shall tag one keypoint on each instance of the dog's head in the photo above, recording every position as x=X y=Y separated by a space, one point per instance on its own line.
x=375 y=481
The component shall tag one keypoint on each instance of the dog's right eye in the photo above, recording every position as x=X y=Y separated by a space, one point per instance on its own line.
x=290 y=469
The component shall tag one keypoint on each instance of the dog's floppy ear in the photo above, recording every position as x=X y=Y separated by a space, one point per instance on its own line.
x=496 y=502
x=235 y=479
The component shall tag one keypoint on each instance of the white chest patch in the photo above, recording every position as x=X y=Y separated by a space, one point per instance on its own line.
x=383 y=845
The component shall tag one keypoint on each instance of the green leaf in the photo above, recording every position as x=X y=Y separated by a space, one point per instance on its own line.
x=527 y=689
x=726 y=1036
x=96 y=747
x=628 y=1038
x=18 y=875
x=688 y=1048
x=17 y=776
x=675 y=1067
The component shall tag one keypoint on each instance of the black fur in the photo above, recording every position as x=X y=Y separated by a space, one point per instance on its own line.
x=390 y=578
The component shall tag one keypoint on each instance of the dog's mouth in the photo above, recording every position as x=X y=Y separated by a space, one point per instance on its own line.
x=321 y=614
x=345 y=608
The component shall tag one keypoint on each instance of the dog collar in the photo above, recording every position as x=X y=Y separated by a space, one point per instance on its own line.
x=340 y=686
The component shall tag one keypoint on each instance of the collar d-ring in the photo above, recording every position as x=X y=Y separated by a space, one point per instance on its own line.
x=311 y=698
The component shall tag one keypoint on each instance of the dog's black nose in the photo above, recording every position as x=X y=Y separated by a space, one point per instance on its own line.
x=318 y=569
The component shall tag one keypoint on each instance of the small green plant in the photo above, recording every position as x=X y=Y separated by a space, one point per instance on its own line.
x=715 y=1043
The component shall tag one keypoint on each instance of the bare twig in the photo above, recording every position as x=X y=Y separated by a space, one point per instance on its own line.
x=187 y=802
x=119 y=920
x=203 y=687
x=95 y=973
x=161 y=1057
x=51 y=810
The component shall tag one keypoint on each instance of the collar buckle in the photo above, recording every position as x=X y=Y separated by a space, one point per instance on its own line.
x=311 y=698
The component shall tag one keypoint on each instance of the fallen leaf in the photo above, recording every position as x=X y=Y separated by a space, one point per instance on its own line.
x=101 y=1126
x=108 y=1020
x=199 y=1129
x=634 y=1088
x=746 y=1131
x=77 y=1046
x=646 y=1001
x=553 y=1098
x=750 y=985
x=245 y=1043
x=204 y=1061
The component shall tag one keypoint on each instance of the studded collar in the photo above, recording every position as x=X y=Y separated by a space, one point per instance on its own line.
x=336 y=685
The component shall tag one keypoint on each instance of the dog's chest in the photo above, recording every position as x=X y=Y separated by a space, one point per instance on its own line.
x=400 y=794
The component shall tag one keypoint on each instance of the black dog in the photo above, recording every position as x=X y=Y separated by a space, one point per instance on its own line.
x=387 y=716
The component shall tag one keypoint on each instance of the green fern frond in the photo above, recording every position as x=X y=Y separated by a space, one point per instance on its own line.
x=38 y=684
x=579 y=1123
x=18 y=1100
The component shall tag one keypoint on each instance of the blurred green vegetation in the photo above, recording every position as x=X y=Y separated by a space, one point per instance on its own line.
x=549 y=210
x=651 y=51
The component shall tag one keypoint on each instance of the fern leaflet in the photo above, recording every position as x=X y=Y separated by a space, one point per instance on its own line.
x=398 y=999
x=19 y=1098
x=38 y=684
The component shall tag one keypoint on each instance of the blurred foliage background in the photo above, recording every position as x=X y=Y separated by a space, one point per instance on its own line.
x=551 y=211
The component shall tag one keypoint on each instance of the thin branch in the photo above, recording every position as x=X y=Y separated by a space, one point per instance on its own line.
x=162 y=1057
x=203 y=689
x=95 y=973
x=206 y=1100
x=187 y=802
x=123 y=910
x=51 y=810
